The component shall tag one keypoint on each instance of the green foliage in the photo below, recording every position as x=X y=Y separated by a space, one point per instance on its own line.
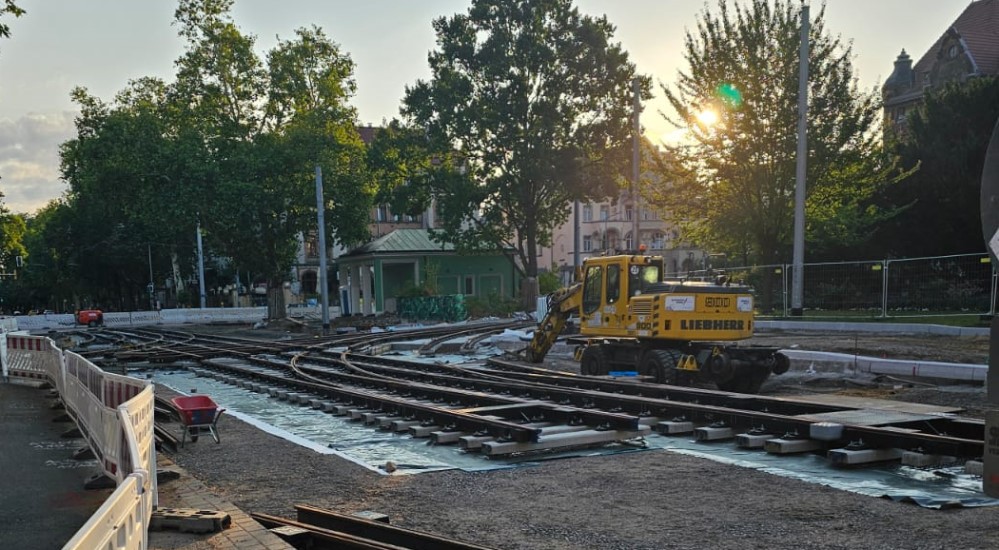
x=491 y=306
x=10 y=7
x=233 y=144
x=548 y=282
x=947 y=139
x=428 y=287
x=528 y=108
x=732 y=189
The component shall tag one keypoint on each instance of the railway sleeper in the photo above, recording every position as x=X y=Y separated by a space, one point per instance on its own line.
x=852 y=457
x=584 y=438
x=423 y=430
x=402 y=425
x=918 y=459
x=752 y=440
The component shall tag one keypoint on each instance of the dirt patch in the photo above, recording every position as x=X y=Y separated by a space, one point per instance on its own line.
x=929 y=347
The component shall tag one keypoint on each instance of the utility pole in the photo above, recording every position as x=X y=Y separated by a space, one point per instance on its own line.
x=201 y=270
x=636 y=157
x=798 y=269
x=321 y=222
x=990 y=229
x=575 y=234
x=152 y=286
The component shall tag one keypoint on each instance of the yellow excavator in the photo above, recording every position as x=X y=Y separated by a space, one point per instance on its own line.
x=673 y=331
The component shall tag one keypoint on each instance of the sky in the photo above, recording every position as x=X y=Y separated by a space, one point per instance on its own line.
x=102 y=44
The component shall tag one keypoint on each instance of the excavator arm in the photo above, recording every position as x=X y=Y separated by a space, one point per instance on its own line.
x=561 y=304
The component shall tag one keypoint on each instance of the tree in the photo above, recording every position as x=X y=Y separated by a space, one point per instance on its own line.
x=12 y=229
x=129 y=150
x=527 y=109
x=266 y=128
x=947 y=140
x=732 y=188
x=232 y=144
x=8 y=7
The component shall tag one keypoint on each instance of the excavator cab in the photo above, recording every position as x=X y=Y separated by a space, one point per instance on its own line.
x=609 y=284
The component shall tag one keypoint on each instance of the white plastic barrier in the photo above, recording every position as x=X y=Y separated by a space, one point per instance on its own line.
x=44 y=322
x=122 y=522
x=142 y=318
x=115 y=415
x=33 y=357
x=92 y=397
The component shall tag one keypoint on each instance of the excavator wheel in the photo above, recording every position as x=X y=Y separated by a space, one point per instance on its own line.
x=594 y=361
x=661 y=365
x=747 y=380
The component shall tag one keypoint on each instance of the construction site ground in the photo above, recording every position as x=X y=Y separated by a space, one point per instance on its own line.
x=642 y=500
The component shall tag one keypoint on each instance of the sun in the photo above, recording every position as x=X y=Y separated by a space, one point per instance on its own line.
x=708 y=117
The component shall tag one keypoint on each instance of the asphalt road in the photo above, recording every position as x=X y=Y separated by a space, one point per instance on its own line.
x=42 y=499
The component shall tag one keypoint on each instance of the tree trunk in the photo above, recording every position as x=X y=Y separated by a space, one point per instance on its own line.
x=276 y=306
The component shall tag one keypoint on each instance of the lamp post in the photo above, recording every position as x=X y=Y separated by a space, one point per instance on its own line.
x=201 y=270
x=152 y=286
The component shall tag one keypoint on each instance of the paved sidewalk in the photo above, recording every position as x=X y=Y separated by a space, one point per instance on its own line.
x=187 y=492
x=42 y=498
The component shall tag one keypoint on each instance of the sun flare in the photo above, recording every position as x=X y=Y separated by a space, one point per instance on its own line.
x=708 y=117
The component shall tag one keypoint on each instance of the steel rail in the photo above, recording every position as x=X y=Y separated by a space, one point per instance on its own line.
x=450 y=419
x=382 y=532
x=949 y=436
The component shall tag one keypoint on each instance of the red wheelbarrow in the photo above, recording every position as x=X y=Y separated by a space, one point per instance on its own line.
x=198 y=413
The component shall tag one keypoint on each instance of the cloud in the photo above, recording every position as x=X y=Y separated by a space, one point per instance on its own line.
x=29 y=158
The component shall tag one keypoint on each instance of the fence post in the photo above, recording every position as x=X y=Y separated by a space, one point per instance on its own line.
x=995 y=288
x=783 y=277
x=884 y=288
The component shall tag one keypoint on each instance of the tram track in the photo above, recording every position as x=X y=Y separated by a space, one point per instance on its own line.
x=318 y=529
x=504 y=407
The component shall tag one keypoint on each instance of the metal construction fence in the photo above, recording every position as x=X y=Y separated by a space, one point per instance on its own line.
x=963 y=284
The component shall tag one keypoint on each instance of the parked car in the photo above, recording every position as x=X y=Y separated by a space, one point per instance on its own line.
x=90 y=317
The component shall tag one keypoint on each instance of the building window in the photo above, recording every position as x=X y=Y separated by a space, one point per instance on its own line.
x=587 y=213
x=382 y=213
x=657 y=241
x=629 y=213
x=469 y=285
x=604 y=212
x=587 y=243
x=952 y=52
x=312 y=246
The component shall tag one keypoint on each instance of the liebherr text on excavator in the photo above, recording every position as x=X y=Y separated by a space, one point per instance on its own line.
x=673 y=331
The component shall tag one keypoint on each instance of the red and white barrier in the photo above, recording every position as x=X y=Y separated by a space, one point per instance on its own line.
x=115 y=415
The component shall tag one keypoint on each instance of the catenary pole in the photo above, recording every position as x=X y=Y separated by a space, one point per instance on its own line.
x=201 y=270
x=321 y=223
x=798 y=269
x=636 y=156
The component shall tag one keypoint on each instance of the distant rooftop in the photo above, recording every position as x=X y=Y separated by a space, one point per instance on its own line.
x=401 y=241
x=978 y=26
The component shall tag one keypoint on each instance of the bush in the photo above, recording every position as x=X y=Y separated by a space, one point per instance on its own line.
x=548 y=282
x=491 y=306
